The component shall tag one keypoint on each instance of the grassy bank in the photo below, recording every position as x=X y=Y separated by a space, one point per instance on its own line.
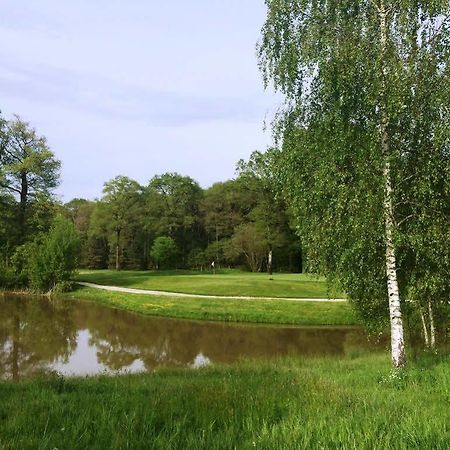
x=224 y=282
x=313 y=403
x=256 y=311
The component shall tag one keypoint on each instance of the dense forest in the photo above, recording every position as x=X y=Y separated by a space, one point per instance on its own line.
x=172 y=222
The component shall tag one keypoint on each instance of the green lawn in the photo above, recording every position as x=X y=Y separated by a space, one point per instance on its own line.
x=293 y=404
x=227 y=282
x=258 y=311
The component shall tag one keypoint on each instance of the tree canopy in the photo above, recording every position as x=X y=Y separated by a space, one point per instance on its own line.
x=365 y=143
x=28 y=166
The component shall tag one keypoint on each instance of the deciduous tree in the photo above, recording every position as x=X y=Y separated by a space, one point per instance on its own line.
x=28 y=167
x=122 y=202
x=173 y=210
x=352 y=143
x=164 y=252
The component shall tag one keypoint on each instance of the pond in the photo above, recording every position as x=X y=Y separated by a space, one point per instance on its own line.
x=39 y=335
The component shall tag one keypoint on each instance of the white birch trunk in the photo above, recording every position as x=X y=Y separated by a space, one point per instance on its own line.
x=397 y=340
x=426 y=337
x=432 y=327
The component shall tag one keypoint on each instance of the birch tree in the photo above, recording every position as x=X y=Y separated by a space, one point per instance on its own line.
x=353 y=74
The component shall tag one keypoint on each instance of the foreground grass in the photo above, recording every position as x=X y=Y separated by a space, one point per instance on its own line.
x=256 y=311
x=294 y=404
x=225 y=282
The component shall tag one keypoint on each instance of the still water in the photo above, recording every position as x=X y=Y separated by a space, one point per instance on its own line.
x=80 y=338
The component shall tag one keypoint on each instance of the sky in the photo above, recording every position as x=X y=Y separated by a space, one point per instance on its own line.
x=137 y=87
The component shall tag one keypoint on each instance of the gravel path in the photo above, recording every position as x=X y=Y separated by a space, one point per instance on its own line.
x=222 y=297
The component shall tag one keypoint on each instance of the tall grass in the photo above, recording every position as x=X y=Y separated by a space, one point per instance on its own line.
x=310 y=403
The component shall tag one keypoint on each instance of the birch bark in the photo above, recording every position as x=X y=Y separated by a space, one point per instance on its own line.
x=426 y=336
x=397 y=339
x=432 y=327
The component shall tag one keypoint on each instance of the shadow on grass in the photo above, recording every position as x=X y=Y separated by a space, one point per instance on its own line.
x=427 y=359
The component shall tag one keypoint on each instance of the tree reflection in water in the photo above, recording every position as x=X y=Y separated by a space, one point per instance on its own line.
x=39 y=334
x=34 y=333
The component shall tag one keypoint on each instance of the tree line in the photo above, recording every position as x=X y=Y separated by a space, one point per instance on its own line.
x=170 y=223
x=173 y=223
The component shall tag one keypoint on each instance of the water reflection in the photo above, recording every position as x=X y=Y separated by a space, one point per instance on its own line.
x=33 y=334
x=78 y=338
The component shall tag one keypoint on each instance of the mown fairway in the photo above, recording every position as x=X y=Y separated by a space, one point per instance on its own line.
x=225 y=282
x=295 y=404
x=229 y=310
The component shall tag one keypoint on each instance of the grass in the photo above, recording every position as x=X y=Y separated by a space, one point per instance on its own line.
x=224 y=282
x=256 y=311
x=293 y=404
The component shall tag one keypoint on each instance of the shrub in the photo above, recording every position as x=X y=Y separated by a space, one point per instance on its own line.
x=54 y=257
x=164 y=252
x=7 y=275
x=197 y=259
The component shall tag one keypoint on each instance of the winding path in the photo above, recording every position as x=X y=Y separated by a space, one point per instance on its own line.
x=220 y=297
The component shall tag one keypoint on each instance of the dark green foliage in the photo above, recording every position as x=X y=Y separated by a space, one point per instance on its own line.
x=164 y=253
x=124 y=225
x=120 y=214
x=8 y=220
x=218 y=251
x=244 y=214
x=198 y=259
x=97 y=256
x=27 y=165
x=79 y=211
x=53 y=257
x=269 y=217
x=173 y=210
x=8 y=278
x=29 y=172
x=251 y=243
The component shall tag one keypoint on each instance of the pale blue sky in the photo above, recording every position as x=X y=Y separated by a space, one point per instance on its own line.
x=137 y=87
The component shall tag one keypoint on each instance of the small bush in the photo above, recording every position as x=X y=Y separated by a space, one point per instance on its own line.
x=63 y=286
x=7 y=276
x=54 y=256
